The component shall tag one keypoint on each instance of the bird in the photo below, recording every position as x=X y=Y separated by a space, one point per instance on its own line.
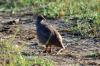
x=47 y=35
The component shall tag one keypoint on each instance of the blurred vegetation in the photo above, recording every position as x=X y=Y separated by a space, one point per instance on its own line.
x=55 y=8
x=10 y=55
x=86 y=10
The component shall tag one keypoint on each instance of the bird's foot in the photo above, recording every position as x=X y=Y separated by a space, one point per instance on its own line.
x=47 y=51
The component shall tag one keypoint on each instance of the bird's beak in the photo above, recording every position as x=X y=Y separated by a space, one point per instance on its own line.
x=43 y=18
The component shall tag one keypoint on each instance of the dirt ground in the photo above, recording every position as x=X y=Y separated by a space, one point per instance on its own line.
x=78 y=50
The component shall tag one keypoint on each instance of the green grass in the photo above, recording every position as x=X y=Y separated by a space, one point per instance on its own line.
x=10 y=55
x=83 y=9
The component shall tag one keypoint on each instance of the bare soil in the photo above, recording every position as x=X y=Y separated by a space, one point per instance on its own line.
x=79 y=51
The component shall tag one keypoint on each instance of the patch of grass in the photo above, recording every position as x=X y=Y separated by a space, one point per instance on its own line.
x=87 y=27
x=10 y=55
x=83 y=9
x=42 y=61
x=53 y=8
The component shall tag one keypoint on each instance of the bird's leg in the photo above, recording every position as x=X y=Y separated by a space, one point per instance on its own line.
x=47 y=49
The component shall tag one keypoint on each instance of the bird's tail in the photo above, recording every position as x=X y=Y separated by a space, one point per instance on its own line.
x=63 y=46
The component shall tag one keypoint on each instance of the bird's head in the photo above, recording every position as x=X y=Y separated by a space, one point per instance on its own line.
x=40 y=18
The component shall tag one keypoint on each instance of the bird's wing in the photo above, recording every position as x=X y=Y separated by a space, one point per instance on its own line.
x=48 y=29
x=54 y=32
